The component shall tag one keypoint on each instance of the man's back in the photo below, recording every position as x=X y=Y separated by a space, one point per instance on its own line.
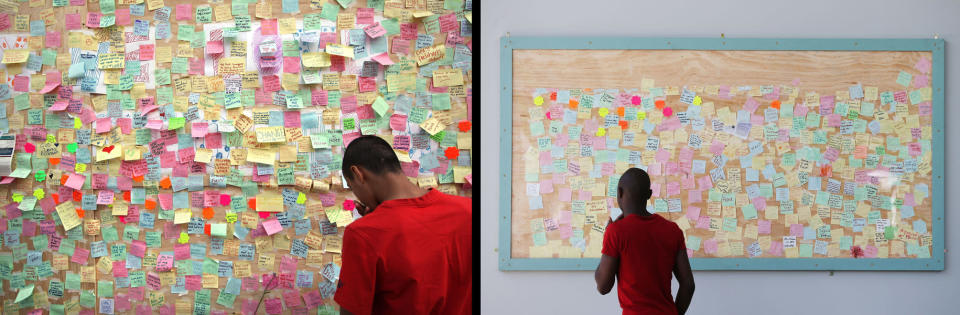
x=411 y=256
x=647 y=248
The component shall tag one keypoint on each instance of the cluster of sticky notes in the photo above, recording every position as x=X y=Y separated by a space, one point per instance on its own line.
x=189 y=148
x=754 y=171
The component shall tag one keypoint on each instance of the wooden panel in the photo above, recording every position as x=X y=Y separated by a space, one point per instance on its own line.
x=828 y=73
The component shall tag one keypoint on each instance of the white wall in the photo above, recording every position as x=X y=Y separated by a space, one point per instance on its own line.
x=726 y=292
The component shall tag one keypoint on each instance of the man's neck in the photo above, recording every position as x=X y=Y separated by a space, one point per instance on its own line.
x=641 y=211
x=397 y=186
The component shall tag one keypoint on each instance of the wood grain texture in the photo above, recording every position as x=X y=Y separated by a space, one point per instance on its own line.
x=823 y=72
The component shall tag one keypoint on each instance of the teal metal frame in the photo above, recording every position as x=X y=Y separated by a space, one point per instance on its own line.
x=935 y=46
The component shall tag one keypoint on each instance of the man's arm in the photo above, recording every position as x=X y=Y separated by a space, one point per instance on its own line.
x=606 y=272
x=685 y=277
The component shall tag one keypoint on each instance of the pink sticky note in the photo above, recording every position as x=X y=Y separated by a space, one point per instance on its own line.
x=291 y=64
x=73 y=21
x=268 y=27
x=199 y=129
x=272 y=226
x=375 y=30
x=105 y=197
x=29 y=147
x=184 y=12
x=53 y=39
x=75 y=181
x=763 y=227
x=166 y=201
x=693 y=213
x=138 y=248
x=119 y=269
x=710 y=246
x=103 y=125
x=123 y=17
x=214 y=47
x=224 y=199
x=181 y=251
x=383 y=59
x=80 y=255
x=194 y=282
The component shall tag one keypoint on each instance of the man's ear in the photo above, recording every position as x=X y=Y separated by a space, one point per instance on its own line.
x=619 y=192
x=358 y=175
x=649 y=194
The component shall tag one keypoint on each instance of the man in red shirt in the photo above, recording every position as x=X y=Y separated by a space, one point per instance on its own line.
x=642 y=249
x=411 y=252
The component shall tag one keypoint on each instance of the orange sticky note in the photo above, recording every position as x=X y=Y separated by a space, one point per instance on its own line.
x=660 y=104
x=775 y=104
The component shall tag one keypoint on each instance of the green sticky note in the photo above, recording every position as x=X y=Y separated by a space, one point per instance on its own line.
x=889 y=232
x=380 y=106
x=178 y=65
x=349 y=123
x=176 y=123
x=239 y=8
x=311 y=22
x=330 y=11
x=107 y=7
x=204 y=14
x=392 y=26
x=49 y=57
x=72 y=147
x=904 y=78
x=218 y=229
x=105 y=288
x=24 y=293
x=185 y=32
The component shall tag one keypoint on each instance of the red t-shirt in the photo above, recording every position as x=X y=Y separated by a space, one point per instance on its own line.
x=409 y=256
x=647 y=247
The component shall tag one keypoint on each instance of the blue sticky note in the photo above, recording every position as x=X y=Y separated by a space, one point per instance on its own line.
x=38 y=28
x=291 y=6
x=809 y=233
x=920 y=227
x=181 y=200
x=906 y=212
x=309 y=120
x=536 y=202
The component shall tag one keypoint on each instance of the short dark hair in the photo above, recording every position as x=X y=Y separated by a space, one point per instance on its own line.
x=371 y=153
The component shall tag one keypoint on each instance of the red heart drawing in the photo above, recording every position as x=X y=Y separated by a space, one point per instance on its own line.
x=108 y=149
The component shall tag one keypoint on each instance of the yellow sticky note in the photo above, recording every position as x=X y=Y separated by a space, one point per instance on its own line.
x=603 y=112
x=432 y=125
x=270 y=134
x=131 y=153
x=203 y=155
x=287 y=25
x=269 y=201
x=697 y=100
x=15 y=55
x=261 y=156
x=68 y=215
x=181 y=216
x=231 y=65
x=80 y=167
x=601 y=132
x=340 y=50
x=403 y=156
x=39 y=193
x=116 y=152
x=447 y=77
x=301 y=198
x=538 y=100
x=641 y=115
x=316 y=59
